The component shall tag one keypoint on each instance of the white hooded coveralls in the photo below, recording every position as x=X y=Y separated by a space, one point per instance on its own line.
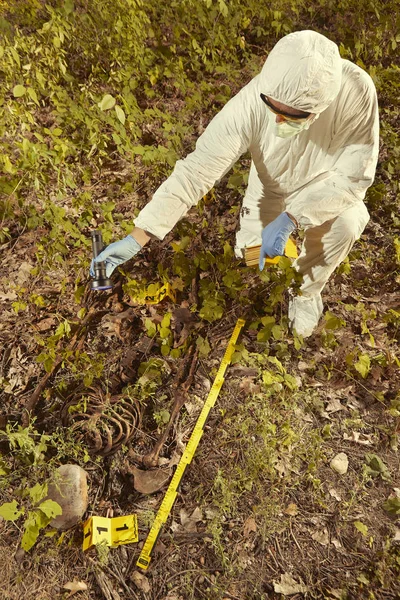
x=320 y=176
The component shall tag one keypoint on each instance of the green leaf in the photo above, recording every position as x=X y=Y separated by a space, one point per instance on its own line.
x=165 y=349
x=8 y=166
x=4 y=469
x=332 y=321
x=363 y=365
x=270 y=378
x=290 y=381
x=268 y=321
x=361 y=527
x=50 y=508
x=32 y=95
x=34 y=523
x=235 y=181
x=223 y=8
x=38 y=492
x=164 y=332
x=166 y=321
x=392 y=506
x=15 y=56
x=120 y=114
x=10 y=511
x=150 y=327
x=107 y=102
x=277 y=332
x=19 y=91
x=164 y=416
x=203 y=345
x=264 y=334
x=376 y=466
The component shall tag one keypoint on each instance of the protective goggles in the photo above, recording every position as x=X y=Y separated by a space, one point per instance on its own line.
x=285 y=116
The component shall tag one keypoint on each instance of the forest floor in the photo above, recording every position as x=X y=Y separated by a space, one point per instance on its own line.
x=260 y=513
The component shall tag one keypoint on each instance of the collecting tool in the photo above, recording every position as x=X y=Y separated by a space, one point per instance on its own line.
x=252 y=254
x=100 y=280
x=172 y=491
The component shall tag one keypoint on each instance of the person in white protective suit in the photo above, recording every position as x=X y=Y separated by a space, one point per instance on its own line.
x=310 y=121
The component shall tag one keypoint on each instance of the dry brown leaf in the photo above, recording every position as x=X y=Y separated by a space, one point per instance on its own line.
x=75 y=586
x=249 y=526
x=303 y=366
x=8 y=296
x=334 y=406
x=322 y=537
x=292 y=510
x=182 y=320
x=282 y=466
x=148 y=482
x=189 y=521
x=175 y=526
x=45 y=324
x=356 y=437
x=141 y=582
x=289 y=586
x=335 y=593
x=335 y=494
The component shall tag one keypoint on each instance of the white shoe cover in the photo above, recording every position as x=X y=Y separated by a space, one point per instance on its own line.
x=304 y=314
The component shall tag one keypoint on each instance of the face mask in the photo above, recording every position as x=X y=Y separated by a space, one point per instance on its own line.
x=288 y=129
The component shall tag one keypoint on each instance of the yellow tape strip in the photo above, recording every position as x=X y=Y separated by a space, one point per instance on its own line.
x=163 y=292
x=172 y=491
x=166 y=290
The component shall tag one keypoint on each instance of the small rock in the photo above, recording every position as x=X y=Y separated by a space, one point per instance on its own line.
x=340 y=463
x=70 y=491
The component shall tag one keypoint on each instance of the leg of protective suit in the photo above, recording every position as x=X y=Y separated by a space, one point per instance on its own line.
x=324 y=248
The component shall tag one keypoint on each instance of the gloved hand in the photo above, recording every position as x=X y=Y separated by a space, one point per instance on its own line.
x=274 y=237
x=117 y=253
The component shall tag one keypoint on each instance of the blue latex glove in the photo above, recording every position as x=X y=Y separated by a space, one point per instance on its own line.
x=117 y=253
x=274 y=238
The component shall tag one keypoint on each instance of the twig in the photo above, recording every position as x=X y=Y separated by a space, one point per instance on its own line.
x=104 y=582
x=295 y=540
x=151 y=459
x=120 y=578
x=273 y=558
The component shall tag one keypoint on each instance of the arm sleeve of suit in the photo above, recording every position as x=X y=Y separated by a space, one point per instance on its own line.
x=226 y=138
x=355 y=148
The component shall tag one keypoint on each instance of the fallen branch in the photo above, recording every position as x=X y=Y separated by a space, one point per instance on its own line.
x=151 y=459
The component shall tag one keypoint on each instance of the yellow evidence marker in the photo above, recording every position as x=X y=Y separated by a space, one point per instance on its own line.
x=112 y=532
x=252 y=254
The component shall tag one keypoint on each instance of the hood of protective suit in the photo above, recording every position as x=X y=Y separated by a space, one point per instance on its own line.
x=303 y=71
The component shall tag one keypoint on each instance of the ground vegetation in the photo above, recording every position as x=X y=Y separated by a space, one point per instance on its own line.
x=97 y=102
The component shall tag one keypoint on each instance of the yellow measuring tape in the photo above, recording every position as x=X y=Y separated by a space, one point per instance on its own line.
x=172 y=491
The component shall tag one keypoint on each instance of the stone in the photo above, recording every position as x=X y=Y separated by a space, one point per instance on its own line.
x=70 y=491
x=340 y=463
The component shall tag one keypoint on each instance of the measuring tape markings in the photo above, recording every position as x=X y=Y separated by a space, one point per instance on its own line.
x=187 y=456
